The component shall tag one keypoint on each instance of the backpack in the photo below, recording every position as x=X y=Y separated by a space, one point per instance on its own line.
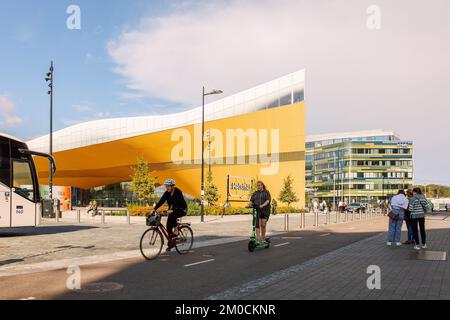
x=428 y=208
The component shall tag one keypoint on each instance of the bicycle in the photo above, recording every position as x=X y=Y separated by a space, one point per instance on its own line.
x=152 y=240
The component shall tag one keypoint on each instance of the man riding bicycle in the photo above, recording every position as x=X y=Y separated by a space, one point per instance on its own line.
x=178 y=207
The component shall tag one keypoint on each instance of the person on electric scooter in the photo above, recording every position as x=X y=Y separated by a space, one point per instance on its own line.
x=175 y=200
x=260 y=200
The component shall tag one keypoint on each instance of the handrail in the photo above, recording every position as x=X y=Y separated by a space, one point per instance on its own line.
x=41 y=154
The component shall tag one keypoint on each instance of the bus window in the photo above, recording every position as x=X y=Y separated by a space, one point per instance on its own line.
x=5 y=165
x=23 y=179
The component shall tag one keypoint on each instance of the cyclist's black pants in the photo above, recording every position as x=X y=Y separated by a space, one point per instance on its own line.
x=172 y=220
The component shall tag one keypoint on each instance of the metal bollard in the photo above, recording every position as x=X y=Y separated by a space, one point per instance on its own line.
x=103 y=216
x=328 y=217
x=346 y=216
x=78 y=216
x=286 y=222
x=128 y=217
x=302 y=221
x=316 y=219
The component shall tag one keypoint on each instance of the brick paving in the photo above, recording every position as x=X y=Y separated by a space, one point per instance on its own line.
x=342 y=274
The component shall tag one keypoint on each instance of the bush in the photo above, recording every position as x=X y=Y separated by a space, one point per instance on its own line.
x=140 y=211
x=290 y=210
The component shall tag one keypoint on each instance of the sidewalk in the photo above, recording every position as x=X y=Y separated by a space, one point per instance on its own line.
x=342 y=274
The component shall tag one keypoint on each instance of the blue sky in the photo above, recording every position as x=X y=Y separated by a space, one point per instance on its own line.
x=86 y=87
x=139 y=57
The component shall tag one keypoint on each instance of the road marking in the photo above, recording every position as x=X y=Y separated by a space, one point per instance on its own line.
x=282 y=244
x=197 y=263
x=292 y=238
x=29 y=298
x=325 y=234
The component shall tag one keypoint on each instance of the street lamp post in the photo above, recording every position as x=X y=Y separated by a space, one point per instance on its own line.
x=202 y=206
x=49 y=80
x=334 y=181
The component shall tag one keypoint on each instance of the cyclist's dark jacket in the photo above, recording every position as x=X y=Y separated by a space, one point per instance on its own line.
x=259 y=197
x=175 y=201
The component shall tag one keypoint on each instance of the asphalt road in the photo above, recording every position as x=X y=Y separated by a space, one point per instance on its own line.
x=198 y=275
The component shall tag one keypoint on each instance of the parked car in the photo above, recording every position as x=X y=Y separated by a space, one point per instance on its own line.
x=356 y=207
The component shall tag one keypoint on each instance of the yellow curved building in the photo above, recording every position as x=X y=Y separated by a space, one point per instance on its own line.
x=259 y=132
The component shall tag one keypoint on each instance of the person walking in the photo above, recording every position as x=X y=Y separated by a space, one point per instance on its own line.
x=399 y=204
x=418 y=206
x=408 y=220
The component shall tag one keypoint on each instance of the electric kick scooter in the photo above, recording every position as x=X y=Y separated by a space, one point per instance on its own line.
x=253 y=243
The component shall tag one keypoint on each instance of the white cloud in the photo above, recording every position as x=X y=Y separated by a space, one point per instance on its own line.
x=83 y=107
x=393 y=78
x=7 y=118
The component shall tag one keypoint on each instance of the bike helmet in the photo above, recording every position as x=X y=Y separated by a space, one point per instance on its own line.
x=169 y=182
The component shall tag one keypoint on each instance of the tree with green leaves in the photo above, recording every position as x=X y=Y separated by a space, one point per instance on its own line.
x=287 y=194
x=211 y=192
x=142 y=181
x=252 y=189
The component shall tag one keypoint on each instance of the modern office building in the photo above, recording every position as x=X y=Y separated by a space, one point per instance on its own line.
x=364 y=166
x=259 y=132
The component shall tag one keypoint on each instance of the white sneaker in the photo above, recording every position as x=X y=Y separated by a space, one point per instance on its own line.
x=424 y=246
x=416 y=247
x=398 y=244
x=389 y=243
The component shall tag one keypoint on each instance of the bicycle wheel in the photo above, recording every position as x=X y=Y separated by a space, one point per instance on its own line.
x=151 y=243
x=185 y=240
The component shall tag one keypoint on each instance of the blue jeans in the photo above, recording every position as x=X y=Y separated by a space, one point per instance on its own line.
x=410 y=229
x=395 y=226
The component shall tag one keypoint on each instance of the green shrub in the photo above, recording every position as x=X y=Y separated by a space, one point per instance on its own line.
x=290 y=210
x=140 y=211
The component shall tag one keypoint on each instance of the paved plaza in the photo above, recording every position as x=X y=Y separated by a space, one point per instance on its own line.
x=329 y=261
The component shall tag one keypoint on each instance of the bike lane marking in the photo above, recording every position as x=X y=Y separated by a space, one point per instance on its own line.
x=197 y=263
x=282 y=244
x=325 y=235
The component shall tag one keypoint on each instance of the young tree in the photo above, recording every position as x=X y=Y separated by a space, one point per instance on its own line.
x=142 y=181
x=211 y=192
x=252 y=189
x=287 y=194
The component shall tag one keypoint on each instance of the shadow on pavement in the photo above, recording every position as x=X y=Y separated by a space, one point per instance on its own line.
x=231 y=265
x=36 y=231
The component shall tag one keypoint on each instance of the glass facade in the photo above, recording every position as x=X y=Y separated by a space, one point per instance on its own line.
x=366 y=169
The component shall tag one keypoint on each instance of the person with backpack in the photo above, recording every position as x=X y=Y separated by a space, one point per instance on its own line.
x=418 y=206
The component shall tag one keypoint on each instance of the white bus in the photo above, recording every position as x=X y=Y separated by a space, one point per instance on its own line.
x=20 y=202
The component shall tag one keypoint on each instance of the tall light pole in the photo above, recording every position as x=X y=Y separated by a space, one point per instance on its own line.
x=202 y=206
x=334 y=181
x=49 y=80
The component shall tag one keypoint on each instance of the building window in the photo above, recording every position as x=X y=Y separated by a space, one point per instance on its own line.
x=299 y=95
x=23 y=179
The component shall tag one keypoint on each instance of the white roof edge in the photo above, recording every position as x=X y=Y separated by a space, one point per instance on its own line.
x=104 y=130
x=10 y=137
x=351 y=134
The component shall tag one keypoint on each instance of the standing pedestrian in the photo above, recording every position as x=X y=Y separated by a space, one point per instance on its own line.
x=408 y=220
x=399 y=204
x=418 y=206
